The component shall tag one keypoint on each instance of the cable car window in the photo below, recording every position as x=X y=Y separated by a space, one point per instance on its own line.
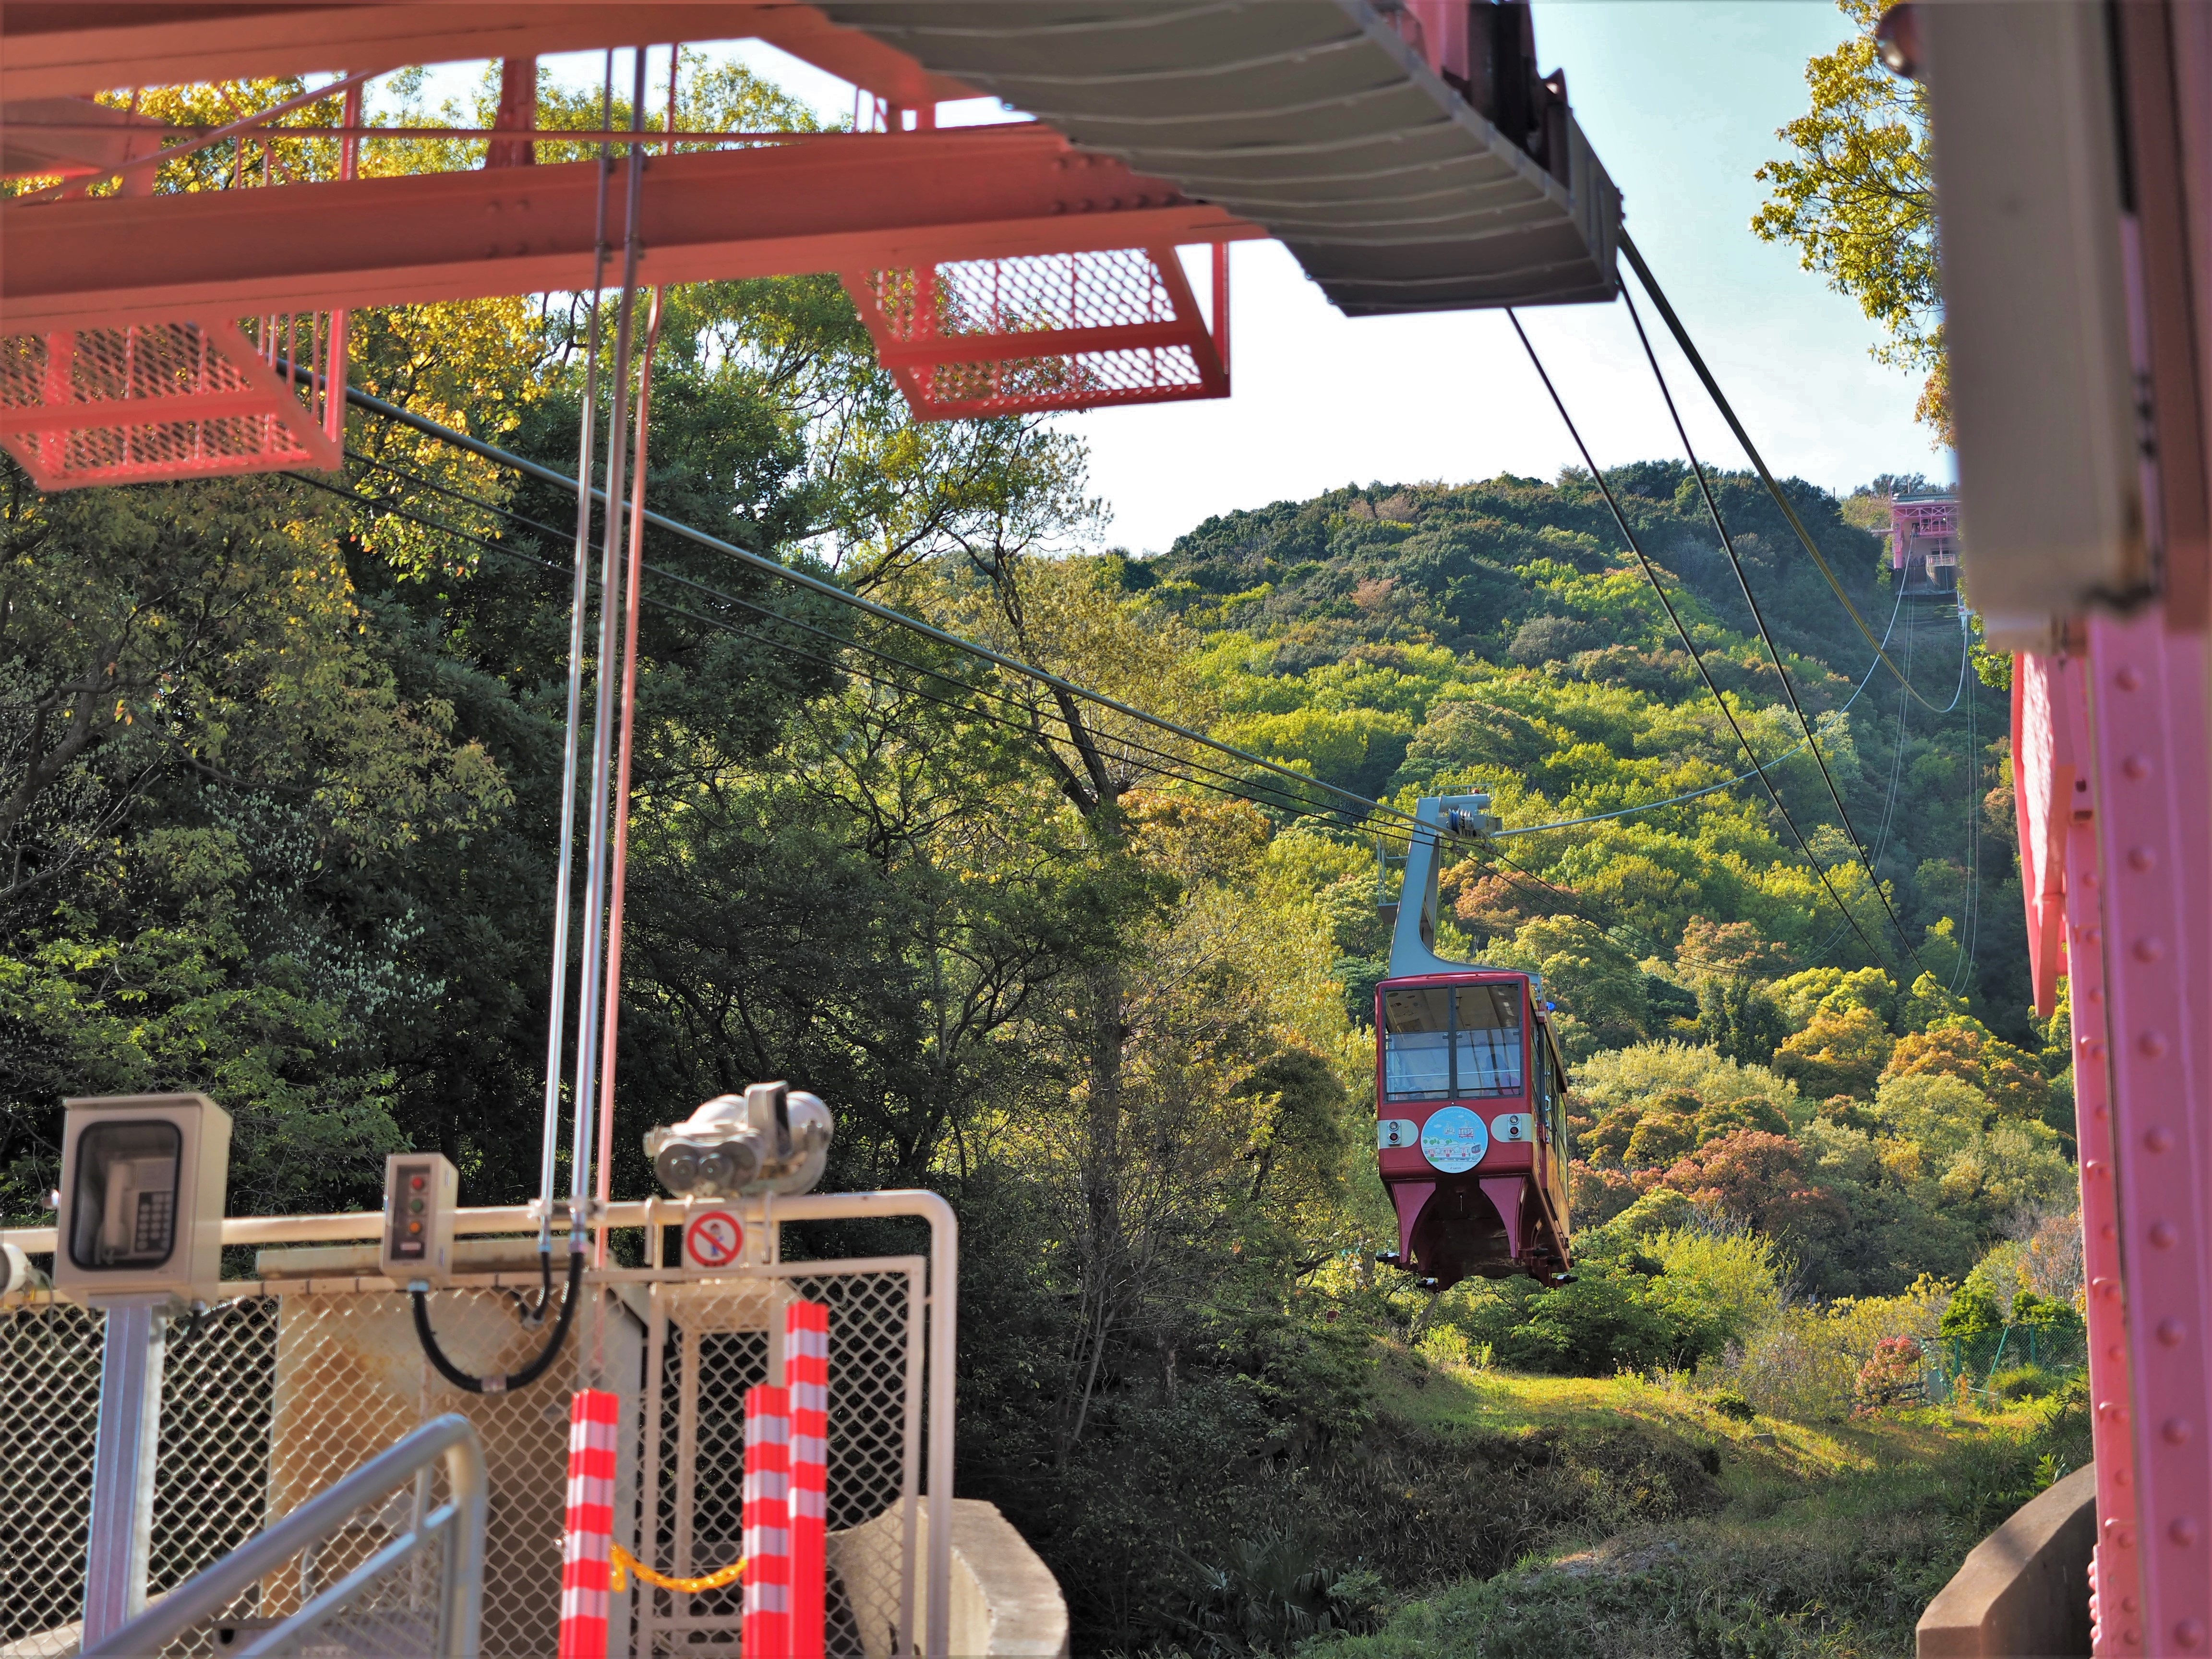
x=1416 y=1044
x=1488 y=1039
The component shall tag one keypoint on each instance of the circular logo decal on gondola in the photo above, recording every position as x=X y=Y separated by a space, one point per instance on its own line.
x=1454 y=1139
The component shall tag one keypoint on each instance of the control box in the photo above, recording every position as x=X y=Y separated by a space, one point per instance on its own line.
x=140 y=1210
x=419 y=1192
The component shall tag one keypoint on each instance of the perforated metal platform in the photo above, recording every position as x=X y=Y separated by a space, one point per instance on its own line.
x=1064 y=330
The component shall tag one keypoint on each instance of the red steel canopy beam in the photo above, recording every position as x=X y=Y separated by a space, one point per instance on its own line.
x=837 y=202
x=49 y=48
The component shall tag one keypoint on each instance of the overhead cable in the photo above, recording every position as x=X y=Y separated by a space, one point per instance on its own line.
x=1711 y=788
x=1397 y=825
x=1728 y=413
x=1260 y=792
x=1766 y=635
x=882 y=613
x=1651 y=576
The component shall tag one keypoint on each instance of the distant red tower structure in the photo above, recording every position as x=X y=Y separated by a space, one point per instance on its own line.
x=1923 y=542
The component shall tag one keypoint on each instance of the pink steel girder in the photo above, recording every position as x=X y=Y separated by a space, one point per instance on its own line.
x=850 y=202
x=2146 y=696
x=1939 y=518
x=2058 y=866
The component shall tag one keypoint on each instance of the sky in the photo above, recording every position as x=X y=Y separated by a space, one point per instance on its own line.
x=1680 y=99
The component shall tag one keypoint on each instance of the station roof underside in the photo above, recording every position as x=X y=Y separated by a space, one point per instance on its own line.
x=1309 y=120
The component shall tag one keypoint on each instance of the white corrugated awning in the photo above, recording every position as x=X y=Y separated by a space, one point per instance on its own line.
x=1315 y=119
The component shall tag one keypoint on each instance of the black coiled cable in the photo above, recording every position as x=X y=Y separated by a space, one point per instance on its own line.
x=521 y=1379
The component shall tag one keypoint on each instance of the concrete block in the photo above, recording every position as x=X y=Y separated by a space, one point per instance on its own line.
x=2024 y=1592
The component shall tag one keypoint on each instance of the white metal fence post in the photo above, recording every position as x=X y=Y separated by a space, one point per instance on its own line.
x=119 y=1534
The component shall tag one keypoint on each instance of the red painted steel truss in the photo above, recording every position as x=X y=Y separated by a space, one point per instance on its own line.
x=997 y=270
x=1070 y=330
x=170 y=400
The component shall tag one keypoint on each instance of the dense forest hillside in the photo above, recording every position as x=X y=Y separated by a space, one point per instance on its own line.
x=1409 y=639
x=280 y=791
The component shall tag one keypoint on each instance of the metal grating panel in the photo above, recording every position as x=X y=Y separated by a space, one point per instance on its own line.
x=273 y=1396
x=169 y=400
x=1057 y=332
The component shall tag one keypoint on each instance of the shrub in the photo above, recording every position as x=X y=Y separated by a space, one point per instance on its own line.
x=1805 y=1365
x=1619 y=1314
x=1269 y=1594
x=2022 y=1383
x=1730 y=1281
x=1894 y=1373
x=1445 y=1345
x=1973 y=1311
x=1731 y=1405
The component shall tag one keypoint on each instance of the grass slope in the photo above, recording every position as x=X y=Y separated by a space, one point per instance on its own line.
x=1803 y=1540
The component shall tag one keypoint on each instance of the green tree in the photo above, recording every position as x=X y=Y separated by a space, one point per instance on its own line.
x=1855 y=197
x=1839 y=1053
x=1737 y=1018
x=1595 y=981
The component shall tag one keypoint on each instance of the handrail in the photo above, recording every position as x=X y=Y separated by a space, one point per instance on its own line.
x=459 y=1525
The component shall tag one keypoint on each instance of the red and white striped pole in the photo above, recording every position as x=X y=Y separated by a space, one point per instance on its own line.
x=807 y=1375
x=767 y=1631
x=591 y=1525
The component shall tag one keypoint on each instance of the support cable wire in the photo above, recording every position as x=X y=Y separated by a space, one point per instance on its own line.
x=1236 y=788
x=1282 y=798
x=1758 y=620
x=1882 y=831
x=1651 y=576
x=844 y=642
x=1404 y=830
x=571 y=755
x=1405 y=826
x=1728 y=413
x=1692 y=794
x=882 y=613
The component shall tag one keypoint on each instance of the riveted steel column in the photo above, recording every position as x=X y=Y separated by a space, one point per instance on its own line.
x=2116 y=1578
x=2146 y=697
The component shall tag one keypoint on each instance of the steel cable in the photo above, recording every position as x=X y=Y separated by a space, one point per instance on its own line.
x=1766 y=637
x=1651 y=576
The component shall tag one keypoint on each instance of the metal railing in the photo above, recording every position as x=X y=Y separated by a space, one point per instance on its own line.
x=453 y=1536
x=302 y=1372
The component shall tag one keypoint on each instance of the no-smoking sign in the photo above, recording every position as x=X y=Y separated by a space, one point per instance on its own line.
x=712 y=1238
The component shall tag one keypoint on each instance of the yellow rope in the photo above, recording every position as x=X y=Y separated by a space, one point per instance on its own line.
x=621 y=1563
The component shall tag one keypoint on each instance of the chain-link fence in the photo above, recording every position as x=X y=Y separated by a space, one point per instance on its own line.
x=2011 y=1361
x=273 y=1395
x=707 y=1343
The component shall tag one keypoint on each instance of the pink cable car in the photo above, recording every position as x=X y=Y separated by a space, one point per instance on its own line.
x=1470 y=1130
